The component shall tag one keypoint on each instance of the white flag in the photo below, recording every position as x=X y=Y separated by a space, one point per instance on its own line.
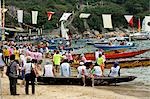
x=65 y=16
x=34 y=17
x=146 y=24
x=20 y=16
x=84 y=15
x=107 y=22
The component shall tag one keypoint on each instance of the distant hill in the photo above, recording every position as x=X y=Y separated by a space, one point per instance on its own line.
x=139 y=8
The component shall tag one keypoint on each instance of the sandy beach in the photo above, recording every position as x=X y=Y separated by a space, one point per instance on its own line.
x=61 y=92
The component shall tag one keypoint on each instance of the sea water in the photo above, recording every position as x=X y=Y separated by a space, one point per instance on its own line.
x=142 y=73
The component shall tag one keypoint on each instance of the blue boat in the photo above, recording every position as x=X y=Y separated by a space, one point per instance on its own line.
x=113 y=47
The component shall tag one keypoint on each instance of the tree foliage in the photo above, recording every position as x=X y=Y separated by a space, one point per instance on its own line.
x=117 y=8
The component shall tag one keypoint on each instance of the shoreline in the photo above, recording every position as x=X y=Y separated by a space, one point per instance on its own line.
x=62 y=92
x=141 y=92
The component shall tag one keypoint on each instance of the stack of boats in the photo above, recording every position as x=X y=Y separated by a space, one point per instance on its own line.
x=119 y=53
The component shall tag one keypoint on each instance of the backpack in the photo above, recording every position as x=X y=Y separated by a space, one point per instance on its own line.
x=8 y=69
x=32 y=72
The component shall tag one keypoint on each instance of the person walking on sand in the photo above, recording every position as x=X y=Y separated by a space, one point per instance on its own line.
x=28 y=76
x=57 y=60
x=13 y=75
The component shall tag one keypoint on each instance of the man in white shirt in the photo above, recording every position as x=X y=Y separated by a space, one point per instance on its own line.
x=97 y=52
x=97 y=72
x=49 y=70
x=65 y=69
x=115 y=70
x=82 y=72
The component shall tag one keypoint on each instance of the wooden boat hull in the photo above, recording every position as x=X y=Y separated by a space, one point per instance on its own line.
x=91 y=56
x=78 y=81
x=129 y=63
x=125 y=63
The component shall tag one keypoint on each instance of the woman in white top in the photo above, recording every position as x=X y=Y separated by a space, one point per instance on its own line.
x=115 y=70
x=48 y=70
x=65 y=69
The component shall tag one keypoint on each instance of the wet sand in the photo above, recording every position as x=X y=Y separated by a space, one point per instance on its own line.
x=63 y=92
x=141 y=92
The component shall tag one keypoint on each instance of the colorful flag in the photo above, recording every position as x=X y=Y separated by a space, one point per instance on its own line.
x=84 y=15
x=129 y=19
x=34 y=17
x=20 y=16
x=139 y=25
x=107 y=22
x=65 y=16
x=49 y=14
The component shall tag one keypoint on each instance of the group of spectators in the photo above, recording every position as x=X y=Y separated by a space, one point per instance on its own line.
x=22 y=59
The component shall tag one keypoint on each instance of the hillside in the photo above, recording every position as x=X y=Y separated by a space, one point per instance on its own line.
x=139 y=8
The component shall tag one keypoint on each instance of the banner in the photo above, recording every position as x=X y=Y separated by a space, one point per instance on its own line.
x=34 y=17
x=20 y=16
x=65 y=16
x=107 y=22
x=84 y=15
x=49 y=14
x=146 y=24
x=129 y=19
x=64 y=31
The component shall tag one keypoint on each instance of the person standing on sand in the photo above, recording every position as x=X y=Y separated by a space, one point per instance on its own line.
x=82 y=72
x=2 y=63
x=57 y=60
x=6 y=54
x=13 y=75
x=100 y=62
x=28 y=77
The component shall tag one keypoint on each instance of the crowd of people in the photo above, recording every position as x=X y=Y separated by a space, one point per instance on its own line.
x=28 y=61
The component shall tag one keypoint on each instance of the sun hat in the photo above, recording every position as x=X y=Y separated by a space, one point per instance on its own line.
x=81 y=63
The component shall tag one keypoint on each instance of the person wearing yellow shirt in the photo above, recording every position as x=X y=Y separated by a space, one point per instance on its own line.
x=17 y=54
x=57 y=60
x=100 y=62
x=6 y=54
